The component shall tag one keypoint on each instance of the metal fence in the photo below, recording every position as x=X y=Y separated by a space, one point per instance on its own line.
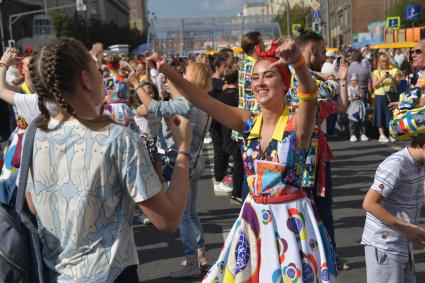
x=185 y=35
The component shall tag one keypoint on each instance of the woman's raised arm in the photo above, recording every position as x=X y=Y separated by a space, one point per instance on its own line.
x=290 y=53
x=231 y=117
x=7 y=92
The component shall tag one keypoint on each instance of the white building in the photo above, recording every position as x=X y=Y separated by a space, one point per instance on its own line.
x=254 y=9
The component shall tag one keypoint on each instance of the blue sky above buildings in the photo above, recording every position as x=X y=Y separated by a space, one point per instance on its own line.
x=195 y=8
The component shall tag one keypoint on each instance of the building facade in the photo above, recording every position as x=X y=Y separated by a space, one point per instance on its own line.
x=103 y=10
x=138 y=14
x=343 y=18
x=23 y=26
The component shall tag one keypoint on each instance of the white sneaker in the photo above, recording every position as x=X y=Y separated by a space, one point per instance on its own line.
x=353 y=138
x=143 y=219
x=190 y=270
x=392 y=139
x=207 y=140
x=222 y=187
x=383 y=138
x=364 y=138
x=202 y=260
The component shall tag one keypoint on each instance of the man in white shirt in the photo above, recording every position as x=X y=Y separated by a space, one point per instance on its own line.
x=328 y=67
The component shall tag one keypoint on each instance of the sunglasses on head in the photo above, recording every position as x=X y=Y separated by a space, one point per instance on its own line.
x=416 y=51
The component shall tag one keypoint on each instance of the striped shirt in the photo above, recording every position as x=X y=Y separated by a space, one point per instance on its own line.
x=400 y=181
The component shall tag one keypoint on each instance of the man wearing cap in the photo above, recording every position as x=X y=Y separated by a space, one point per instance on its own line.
x=329 y=67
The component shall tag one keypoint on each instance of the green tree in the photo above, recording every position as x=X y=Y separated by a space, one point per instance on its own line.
x=298 y=14
x=399 y=9
x=95 y=31
x=61 y=23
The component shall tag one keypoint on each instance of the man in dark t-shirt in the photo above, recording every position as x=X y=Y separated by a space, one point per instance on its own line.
x=221 y=157
x=230 y=96
x=4 y=121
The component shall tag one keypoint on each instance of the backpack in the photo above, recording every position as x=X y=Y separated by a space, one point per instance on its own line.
x=20 y=247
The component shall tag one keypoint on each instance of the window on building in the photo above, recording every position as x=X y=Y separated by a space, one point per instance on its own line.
x=346 y=17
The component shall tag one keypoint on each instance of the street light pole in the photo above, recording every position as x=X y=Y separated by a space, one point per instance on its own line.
x=328 y=24
x=288 y=26
x=45 y=7
x=15 y=17
x=3 y=45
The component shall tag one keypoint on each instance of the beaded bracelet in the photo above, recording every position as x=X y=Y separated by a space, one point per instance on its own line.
x=308 y=96
x=138 y=86
x=299 y=63
x=4 y=65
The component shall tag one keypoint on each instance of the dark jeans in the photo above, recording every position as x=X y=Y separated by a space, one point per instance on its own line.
x=237 y=171
x=129 y=275
x=8 y=190
x=324 y=206
x=357 y=128
x=221 y=158
x=330 y=124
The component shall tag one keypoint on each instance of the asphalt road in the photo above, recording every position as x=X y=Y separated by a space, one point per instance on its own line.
x=353 y=171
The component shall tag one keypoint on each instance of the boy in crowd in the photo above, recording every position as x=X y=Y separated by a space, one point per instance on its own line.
x=393 y=206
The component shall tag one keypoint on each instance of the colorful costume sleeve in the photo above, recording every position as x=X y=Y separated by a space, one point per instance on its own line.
x=409 y=119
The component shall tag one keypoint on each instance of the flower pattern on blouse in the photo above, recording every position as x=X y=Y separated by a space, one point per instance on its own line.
x=288 y=152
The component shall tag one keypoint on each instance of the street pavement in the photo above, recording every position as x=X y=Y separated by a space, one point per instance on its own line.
x=353 y=171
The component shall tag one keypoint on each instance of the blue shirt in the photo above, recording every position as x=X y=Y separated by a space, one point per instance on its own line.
x=200 y=124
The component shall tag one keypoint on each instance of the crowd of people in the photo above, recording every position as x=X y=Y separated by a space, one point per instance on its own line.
x=115 y=132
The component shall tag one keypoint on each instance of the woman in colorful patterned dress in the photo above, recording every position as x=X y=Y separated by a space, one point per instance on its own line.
x=276 y=237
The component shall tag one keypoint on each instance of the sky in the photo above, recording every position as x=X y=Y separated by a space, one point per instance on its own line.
x=195 y=8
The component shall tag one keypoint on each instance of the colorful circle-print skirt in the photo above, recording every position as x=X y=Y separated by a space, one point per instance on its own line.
x=279 y=243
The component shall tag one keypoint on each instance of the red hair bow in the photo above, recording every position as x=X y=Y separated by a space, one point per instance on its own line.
x=269 y=53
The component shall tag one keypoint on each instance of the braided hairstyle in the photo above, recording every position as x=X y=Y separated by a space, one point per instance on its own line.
x=52 y=69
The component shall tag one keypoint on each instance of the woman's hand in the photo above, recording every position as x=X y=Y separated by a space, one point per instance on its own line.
x=288 y=51
x=124 y=68
x=133 y=77
x=181 y=131
x=156 y=61
x=343 y=69
x=393 y=105
x=10 y=57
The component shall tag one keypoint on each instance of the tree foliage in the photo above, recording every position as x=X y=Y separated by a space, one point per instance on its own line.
x=399 y=9
x=95 y=31
x=298 y=14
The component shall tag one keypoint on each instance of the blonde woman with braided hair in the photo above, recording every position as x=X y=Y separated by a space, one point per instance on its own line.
x=89 y=172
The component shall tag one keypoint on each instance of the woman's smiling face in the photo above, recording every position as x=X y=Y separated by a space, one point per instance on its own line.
x=267 y=84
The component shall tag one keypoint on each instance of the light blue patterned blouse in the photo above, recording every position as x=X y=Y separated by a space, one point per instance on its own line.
x=84 y=186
